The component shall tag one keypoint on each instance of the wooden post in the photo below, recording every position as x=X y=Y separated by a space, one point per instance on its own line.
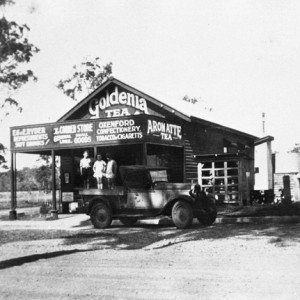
x=54 y=211
x=144 y=157
x=13 y=213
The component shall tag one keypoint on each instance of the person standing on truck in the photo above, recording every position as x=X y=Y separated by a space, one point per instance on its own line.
x=85 y=169
x=111 y=171
x=99 y=169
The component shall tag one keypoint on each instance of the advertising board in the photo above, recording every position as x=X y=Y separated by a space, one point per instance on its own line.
x=96 y=132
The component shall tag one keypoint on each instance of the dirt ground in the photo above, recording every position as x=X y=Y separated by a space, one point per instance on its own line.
x=152 y=262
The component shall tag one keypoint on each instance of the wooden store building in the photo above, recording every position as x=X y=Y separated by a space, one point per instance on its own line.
x=138 y=129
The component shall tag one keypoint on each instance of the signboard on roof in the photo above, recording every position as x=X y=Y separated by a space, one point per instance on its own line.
x=98 y=132
x=117 y=103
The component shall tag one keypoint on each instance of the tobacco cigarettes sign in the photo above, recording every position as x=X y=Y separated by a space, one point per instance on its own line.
x=96 y=132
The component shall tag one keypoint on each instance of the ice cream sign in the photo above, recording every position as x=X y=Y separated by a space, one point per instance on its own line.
x=117 y=104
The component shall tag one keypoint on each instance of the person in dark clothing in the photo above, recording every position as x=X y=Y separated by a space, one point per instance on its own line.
x=199 y=195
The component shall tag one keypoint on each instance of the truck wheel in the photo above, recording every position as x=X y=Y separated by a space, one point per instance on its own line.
x=128 y=221
x=210 y=215
x=182 y=214
x=101 y=215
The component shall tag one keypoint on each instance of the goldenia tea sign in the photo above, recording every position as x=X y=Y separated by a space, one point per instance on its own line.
x=117 y=105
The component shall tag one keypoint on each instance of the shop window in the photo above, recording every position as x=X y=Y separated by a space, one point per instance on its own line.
x=232 y=172
x=207 y=165
x=221 y=178
x=219 y=164
x=206 y=173
x=232 y=164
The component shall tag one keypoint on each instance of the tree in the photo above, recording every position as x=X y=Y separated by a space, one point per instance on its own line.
x=2 y=156
x=15 y=51
x=26 y=180
x=86 y=78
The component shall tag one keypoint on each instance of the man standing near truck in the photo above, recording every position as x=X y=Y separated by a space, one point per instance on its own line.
x=111 y=171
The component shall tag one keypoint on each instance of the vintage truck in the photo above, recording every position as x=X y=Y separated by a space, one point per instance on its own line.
x=147 y=193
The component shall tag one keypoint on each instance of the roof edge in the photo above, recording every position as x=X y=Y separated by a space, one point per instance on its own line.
x=219 y=126
x=262 y=140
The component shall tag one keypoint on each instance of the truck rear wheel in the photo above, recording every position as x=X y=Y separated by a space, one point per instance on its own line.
x=101 y=215
x=128 y=221
x=182 y=214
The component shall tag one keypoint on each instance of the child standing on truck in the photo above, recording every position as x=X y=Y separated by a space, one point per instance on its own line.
x=111 y=171
x=99 y=169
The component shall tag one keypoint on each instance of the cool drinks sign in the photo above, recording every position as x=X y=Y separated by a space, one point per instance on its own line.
x=133 y=129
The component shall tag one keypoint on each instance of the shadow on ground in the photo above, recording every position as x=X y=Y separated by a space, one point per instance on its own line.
x=159 y=236
x=145 y=237
x=119 y=237
x=14 y=262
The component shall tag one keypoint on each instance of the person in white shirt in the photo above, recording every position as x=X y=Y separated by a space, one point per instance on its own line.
x=99 y=169
x=85 y=169
x=111 y=171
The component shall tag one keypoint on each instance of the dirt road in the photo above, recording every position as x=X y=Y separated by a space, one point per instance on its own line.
x=152 y=262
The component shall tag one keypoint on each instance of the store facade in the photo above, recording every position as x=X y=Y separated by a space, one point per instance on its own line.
x=138 y=129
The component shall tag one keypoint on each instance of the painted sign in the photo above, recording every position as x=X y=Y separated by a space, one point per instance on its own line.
x=119 y=130
x=73 y=133
x=67 y=196
x=117 y=104
x=133 y=129
x=30 y=137
x=164 y=131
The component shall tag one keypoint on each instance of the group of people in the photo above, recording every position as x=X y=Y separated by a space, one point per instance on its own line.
x=100 y=168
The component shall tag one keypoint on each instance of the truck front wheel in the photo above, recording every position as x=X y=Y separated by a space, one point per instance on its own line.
x=101 y=215
x=182 y=214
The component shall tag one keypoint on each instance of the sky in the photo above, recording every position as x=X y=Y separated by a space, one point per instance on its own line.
x=240 y=58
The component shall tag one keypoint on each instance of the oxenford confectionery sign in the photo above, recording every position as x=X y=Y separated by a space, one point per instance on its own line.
x=132 y=129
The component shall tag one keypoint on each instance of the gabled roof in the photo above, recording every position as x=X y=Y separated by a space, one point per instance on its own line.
x=156 y=102
x=129 y=88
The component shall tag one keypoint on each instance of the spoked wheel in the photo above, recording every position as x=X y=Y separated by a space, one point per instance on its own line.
x=182 y=214
x=210 y=215
x=101 y=215
x=128 y=221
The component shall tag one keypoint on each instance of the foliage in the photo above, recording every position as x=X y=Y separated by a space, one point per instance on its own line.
x=86 y=77
x=15 y=50
x=2 y=154
x=26 y=180
x=30 y=179
x=5 y=181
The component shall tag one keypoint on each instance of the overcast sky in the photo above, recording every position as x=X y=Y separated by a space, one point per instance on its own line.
x=242 y=58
